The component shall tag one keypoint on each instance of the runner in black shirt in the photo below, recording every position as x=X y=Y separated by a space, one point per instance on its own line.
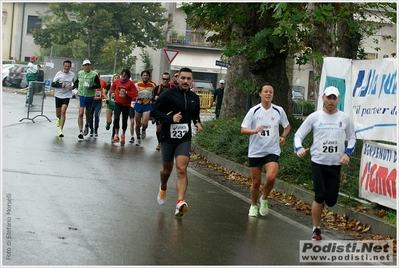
x=177 y=108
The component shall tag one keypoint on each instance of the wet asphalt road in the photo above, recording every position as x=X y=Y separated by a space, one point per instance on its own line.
x=70 y=202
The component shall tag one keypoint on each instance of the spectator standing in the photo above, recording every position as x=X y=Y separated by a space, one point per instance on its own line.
x=156 y=91
x=97 y=106
x=63 y=84
x=40 y=74
x=331 y=129
x=31 y=76
x=110 y=102
x=218 y=97
x=176 y=109
x=261 y=123
x=143 y=105
x=124 y=91
x=87 y=83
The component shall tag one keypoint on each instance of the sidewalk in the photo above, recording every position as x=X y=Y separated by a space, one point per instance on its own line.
x=378 y=225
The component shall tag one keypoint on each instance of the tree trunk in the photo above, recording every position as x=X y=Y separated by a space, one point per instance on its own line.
x=273 y=71
x=234 y=99
x=348 y=37
x=317 y=68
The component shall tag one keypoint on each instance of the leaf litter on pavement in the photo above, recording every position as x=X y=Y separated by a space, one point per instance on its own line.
x=330 y=220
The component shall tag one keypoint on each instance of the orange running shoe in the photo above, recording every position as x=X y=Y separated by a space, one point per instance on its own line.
x=181 y=208
x=116 y=139
x=123 y=140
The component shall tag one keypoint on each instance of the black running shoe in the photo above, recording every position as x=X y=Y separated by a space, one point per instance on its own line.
x=316 y=234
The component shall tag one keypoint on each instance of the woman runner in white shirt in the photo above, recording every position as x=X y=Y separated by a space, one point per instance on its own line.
x=262 y=125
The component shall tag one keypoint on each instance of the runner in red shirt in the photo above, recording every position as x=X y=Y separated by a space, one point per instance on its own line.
x=124 y=92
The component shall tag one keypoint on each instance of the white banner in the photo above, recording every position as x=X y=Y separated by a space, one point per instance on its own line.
x=377 y=177
x=374 y=99
x=337 y=72
x=368 y=90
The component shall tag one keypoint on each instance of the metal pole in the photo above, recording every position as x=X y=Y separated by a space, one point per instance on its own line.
x=47 y=68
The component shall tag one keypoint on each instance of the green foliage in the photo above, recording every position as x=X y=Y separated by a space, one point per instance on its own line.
x=224 y=138
x=248 y=86
x=391 y=217
x=239 y=27
x=354 y=20
x=90 y=30
x=145 y=57
x=308 y=106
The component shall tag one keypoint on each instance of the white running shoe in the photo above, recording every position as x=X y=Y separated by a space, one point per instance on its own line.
x=161 y=196
x=264 y=209
x=253 y=211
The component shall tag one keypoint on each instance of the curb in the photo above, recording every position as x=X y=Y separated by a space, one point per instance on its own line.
x=377 y=225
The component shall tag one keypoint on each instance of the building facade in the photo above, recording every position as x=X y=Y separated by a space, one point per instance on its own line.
x=192 y=50
x=18 y=19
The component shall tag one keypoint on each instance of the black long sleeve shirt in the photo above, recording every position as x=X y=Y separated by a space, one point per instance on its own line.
x=169 y=103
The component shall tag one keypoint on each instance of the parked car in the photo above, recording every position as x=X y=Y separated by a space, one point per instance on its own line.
x=4 y=74
x=107 y=77
x=197 y=85
x=204 y=89
x=12 y=72
x=297 y=95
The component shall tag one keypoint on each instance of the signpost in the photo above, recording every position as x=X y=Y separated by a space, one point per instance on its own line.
x=170 y=54
x=47 y=84
x=221 y=63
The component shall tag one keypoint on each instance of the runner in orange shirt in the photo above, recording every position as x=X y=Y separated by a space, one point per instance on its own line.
x=143 y=105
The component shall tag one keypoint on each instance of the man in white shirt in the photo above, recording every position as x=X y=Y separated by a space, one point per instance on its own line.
x=331 y=128
x=31 y=76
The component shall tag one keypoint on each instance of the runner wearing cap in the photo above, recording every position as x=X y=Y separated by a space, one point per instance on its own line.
x=31 y=76
x=87 y=83
x=331 y=129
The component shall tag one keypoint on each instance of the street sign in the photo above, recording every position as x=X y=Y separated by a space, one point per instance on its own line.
x=47 y=84
x=171 y=54
x=50 y=64
x=221 y=63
